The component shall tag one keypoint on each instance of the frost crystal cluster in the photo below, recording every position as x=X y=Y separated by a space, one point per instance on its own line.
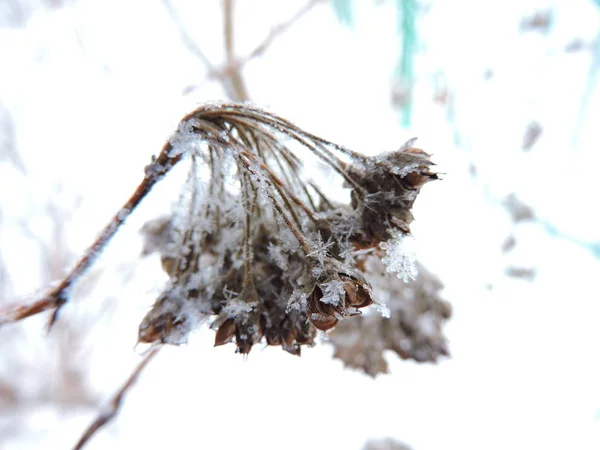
x=262 y=251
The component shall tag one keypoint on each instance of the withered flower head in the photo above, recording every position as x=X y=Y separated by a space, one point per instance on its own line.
x=339 y=292
x=388 y=185
x=259 y=249
x=170 y=320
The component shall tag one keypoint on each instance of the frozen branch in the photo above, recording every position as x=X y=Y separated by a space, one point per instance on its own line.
x=58 y=296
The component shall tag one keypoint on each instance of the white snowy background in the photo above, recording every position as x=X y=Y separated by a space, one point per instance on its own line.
x=89 y=90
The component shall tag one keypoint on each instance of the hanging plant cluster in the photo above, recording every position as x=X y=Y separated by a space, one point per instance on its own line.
x=256 y=246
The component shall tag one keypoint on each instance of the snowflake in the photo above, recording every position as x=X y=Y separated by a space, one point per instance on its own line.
x=399 y=256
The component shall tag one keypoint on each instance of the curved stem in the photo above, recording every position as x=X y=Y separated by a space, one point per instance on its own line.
x=59 y=295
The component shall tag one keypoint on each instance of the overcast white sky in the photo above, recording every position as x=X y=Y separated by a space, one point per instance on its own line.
x=93 y=89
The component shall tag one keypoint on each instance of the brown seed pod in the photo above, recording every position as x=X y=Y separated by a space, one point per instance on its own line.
x=225 y=332
x=389 y=185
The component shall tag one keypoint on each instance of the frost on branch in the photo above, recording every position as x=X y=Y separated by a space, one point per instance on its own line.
x=264 y=254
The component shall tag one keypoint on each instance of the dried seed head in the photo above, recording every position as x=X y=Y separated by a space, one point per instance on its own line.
x=261 y=251
x=225 y=332
x=240 y=318
x=389 y=186
x=170 y=320
x=339 y=292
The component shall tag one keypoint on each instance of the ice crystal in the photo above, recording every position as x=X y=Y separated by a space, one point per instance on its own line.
x=399 y=256
x=333 y=292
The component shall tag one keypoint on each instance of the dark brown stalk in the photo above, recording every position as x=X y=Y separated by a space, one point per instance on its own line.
x=284 y=213
x=283 y=189
x=116 y=401
x=245 y=191
x=294 y=132
x=261 y=115
x=321 y=194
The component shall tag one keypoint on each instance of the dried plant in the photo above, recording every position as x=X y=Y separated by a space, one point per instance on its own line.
x=255 y=244
x=259 y=249
x=265 y=252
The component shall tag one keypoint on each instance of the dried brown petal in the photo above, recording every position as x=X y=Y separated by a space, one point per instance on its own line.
x=225 y=332
x=357 y=295
x=389 y=186
x=158 y=330
x=323 y=322
x=344 y=282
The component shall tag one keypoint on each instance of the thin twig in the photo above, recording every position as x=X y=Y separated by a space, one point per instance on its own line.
x=278 y=30
x=261 y=115
x=283 y=212
x=245 y=187
x=283 y=188
x=321 y=194
x=230 y=75
x=186 y=39
x=59 y=295
x=275 y=122
x=116 y=401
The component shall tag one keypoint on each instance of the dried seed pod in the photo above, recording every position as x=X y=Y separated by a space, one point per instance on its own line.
x=389 y=185
x=338 y=292
x=225 y=332
x=171 y=319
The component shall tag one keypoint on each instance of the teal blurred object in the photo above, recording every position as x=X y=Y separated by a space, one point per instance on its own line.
x=344 y=11
x=552 y=230
x=407 y=28
x=589 y=87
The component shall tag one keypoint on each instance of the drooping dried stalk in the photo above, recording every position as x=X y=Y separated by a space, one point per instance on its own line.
x=255 y=245
x=58 y=295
